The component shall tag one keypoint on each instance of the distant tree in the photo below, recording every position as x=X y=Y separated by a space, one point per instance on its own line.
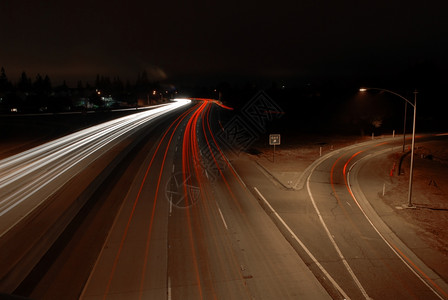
x=103 y=84
x=143 y=86
x=62 y=90
x=142 y=79
x=97 y=81
x=24 y=85
x=38 y=85
x=3 y=74
x=128 y=87
x=117 y=86
x=5 y=85
x=42 y=86
x=47 y=85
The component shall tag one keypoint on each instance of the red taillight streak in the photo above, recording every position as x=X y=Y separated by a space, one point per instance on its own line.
x=435 y=285
x=234 y=198
x=347 y=215
x=148 y=239
x=220 y=151
x=395 y=247
x=332 y=180
x=115 y=263
x=188 y=146
x=354 y=199
x=207 y=203
x=193 y=140
x=217 y=165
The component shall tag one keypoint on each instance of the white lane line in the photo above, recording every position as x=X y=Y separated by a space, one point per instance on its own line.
x=169 y=289
x=172 y=171
x=222 y=218
x=341 y=256
x=308 y=252
x=234 y=171
x=393 y=248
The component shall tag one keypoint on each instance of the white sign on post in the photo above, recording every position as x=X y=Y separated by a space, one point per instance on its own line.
x=274 y=139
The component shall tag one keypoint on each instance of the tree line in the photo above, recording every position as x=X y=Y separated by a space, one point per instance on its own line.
x=39 y=95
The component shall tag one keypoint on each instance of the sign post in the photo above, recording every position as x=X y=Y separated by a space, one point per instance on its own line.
x=274 y=139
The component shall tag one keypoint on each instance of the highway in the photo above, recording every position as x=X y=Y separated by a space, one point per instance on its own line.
x=43 y=188
x=30 y=177
x=180 y=235
x=151 y=206
x=173 y=222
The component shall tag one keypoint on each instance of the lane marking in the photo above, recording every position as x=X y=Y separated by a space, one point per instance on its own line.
x=178 y=120
x=169 y=289
x=222 y=218
x=220 y=151
x=124 y=236
x=341 y=256
x=308 y=252
x=189 y=148
x=408 y=262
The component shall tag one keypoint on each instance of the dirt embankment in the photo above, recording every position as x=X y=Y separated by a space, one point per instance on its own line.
x=429 y=193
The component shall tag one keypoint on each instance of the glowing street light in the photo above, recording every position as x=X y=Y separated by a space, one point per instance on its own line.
x=411 y=172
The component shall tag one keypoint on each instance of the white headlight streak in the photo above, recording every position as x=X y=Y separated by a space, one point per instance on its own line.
x=25 y=178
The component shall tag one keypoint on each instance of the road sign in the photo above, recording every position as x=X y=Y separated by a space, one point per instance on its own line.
x=274 y=139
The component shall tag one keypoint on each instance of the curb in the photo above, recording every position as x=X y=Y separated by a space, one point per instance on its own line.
x=299 y=185
x=397 y=245
x=274 y=178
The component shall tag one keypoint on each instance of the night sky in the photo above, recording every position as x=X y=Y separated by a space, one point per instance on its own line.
x=194 y=41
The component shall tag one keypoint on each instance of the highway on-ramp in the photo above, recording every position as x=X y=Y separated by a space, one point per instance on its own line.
x=334 y=228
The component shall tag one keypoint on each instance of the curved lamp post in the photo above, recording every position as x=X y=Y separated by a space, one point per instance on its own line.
x=411 y=172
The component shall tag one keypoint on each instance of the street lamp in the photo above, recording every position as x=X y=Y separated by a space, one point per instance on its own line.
x=411 y=172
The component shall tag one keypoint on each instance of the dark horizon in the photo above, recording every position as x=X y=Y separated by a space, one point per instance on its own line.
x=208 y=43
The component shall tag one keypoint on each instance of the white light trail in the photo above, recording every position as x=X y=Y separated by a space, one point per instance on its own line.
x=29 y=173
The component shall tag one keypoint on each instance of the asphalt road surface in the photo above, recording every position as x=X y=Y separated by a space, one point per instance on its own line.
x=337 y=233
x=188 y=230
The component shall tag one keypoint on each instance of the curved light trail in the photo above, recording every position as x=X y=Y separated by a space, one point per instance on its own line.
x=192 y=176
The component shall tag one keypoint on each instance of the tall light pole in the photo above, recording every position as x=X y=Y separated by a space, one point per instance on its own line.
x=404 y=124
x=411 y=172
